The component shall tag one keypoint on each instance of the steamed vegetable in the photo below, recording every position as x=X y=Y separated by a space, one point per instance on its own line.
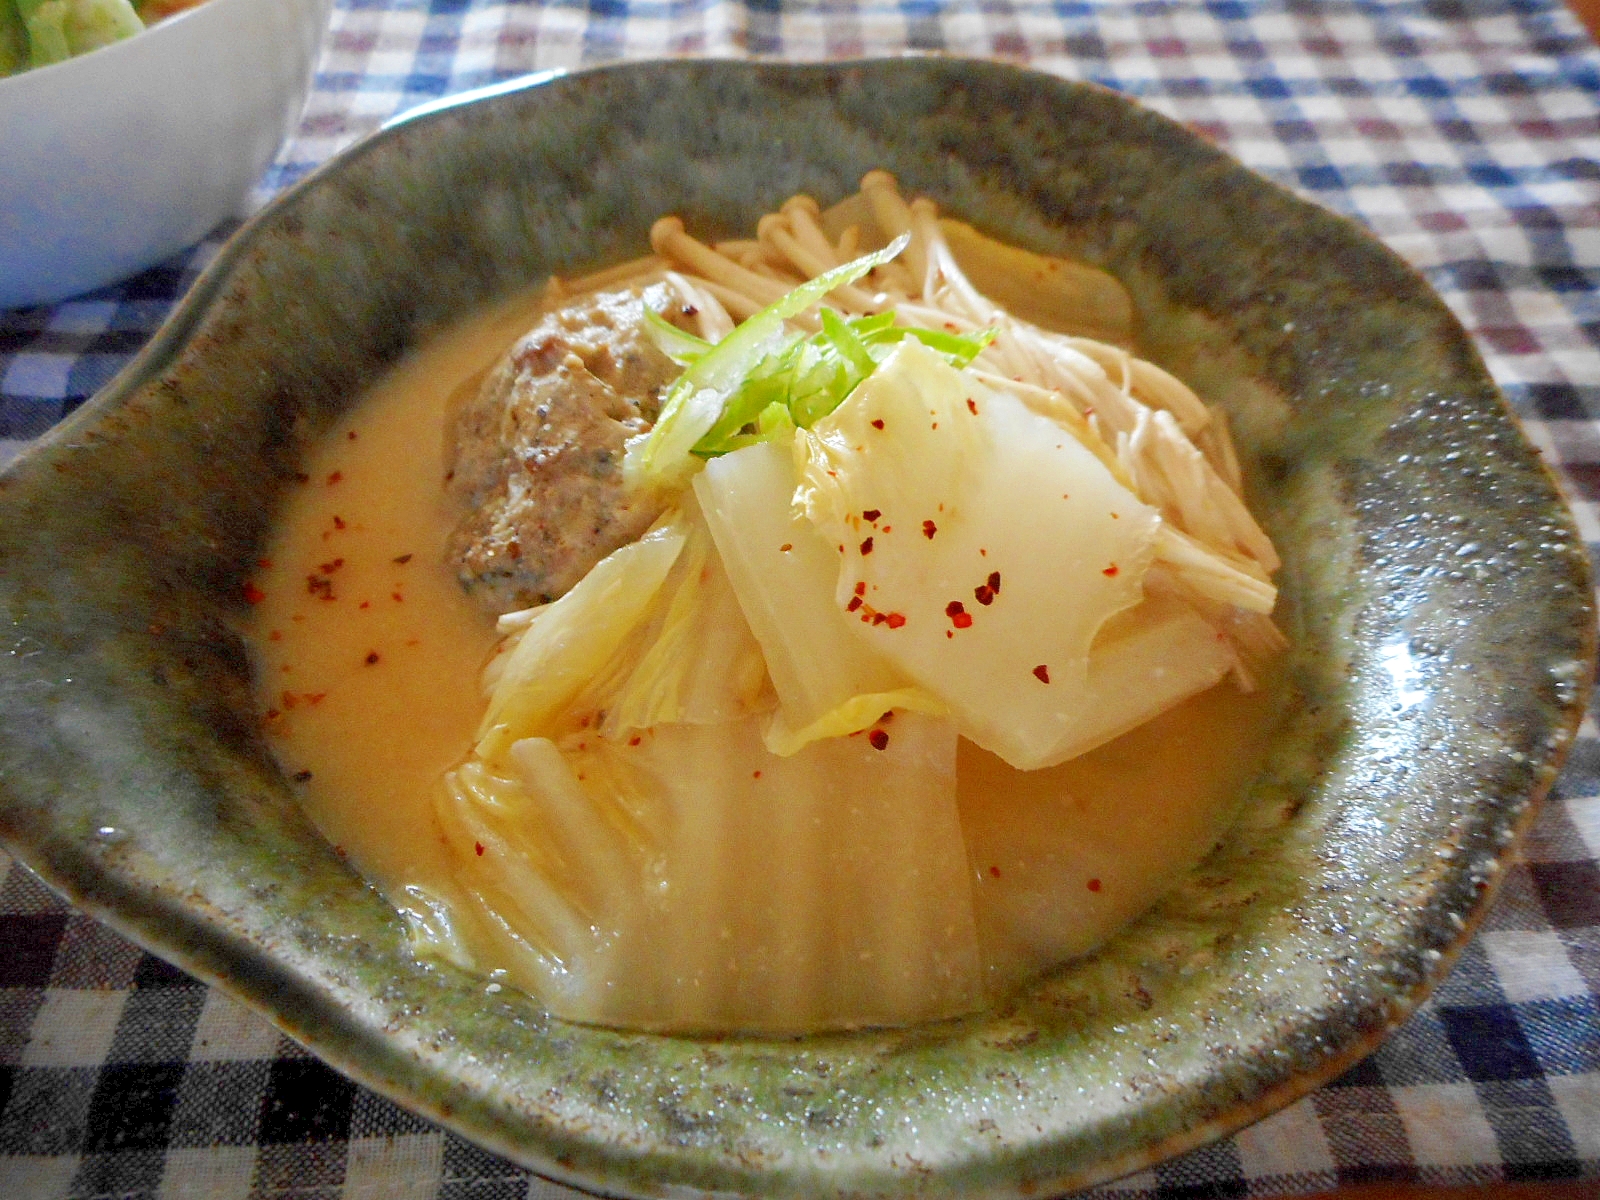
x=983 y=548
x=36 y=33
x=567 y=643
x=828 y=682
x=690 y=880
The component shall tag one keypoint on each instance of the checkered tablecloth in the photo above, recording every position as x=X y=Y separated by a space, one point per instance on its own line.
x=1464 y=133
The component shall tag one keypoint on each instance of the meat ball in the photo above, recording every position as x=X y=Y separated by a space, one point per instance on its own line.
x=537 y=454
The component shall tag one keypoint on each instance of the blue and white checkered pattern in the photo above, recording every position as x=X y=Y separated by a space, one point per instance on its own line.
x=1464 y=133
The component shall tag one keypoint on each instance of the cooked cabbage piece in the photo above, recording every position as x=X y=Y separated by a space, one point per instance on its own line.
x=689 y=879
x=828 y=682
x=984 y=548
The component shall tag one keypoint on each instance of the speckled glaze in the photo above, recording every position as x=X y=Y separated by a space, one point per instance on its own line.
x=1438 y=601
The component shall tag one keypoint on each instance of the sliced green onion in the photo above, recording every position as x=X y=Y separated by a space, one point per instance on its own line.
x=697 y=399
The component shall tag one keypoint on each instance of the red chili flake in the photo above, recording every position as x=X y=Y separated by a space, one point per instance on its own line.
x=982 y=553
x=478 y=848
x=879 y=618
x=877 y=422
x=972 y=406
x=328 y=568
x=320 y=586
x=936 y=425
x=335 y=477
x=253 y=594
x=1042 y=673
x=841 y=547
x=984 y=594
x=866 y=546
x=351 y=435
x=314 y=698
x=994 y=872
x=871 y=514
x=949 y=633
x=1111 y=570
x=302 y=777
x=397 y=597
x=929 y=529
x=755 y=775
x=879 y=739
x=365 y=604
x=958 y=614
x=888 y=716
x=338 y=521
x=894 y=620
x=372 y=657
x=635 y=740
x=402 y=559
x=855 y=603
x=275 y=636
x=1094 y=885
x=861 y=587
x=785 y=548
x=288 y=699
x=1116 y=516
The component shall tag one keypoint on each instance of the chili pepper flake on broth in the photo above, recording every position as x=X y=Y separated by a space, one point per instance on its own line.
x=701 y=771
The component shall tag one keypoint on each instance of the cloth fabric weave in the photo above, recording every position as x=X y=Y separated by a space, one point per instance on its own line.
x=1463 y=133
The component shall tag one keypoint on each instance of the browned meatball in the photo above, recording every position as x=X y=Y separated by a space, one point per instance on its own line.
x=538 y=452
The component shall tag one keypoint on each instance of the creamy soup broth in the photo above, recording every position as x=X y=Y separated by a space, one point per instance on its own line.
x=369 y=655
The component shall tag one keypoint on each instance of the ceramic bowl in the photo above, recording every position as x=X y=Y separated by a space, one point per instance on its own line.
x=1438 y=602
x=121 y=157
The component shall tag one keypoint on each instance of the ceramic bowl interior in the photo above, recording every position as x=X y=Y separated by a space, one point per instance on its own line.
x=1437 y=600
x=128 y=154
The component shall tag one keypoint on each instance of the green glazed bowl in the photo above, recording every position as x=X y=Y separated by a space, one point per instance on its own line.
x=1437 y=595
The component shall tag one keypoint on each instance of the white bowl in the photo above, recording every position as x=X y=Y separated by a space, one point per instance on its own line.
x=114 y=160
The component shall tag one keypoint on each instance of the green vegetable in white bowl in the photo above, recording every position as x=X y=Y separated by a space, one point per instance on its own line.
x=36 y=33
